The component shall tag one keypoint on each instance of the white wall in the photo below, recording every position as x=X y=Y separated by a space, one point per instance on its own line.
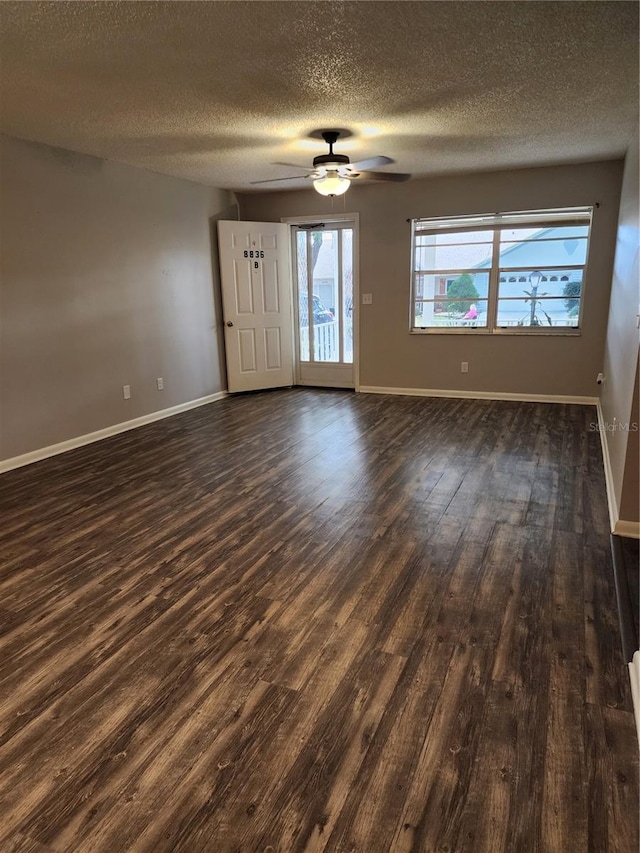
x=107 y=278
x=621 y=353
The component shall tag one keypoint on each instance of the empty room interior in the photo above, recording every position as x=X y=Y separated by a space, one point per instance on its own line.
x=319 y=452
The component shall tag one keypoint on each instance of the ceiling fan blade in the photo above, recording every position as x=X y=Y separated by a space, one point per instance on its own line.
x=290 y=165
x=371 y=163
x=273 y=180
x=381 y=176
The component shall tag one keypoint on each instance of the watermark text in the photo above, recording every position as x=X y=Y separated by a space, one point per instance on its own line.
x=614 y=426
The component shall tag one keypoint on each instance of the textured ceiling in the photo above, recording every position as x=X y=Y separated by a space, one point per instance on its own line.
x=219 y=91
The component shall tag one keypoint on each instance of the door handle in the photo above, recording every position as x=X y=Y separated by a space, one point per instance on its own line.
x=229 y=323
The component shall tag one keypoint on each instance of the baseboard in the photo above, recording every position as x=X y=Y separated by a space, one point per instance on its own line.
x=317 y=383
x=608 y=474
x=480 y=395
x=91 y=437
x=634 y=677
x=618 y=526
x=631 y=529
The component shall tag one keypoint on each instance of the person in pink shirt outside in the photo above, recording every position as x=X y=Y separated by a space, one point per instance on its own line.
x=471 y=314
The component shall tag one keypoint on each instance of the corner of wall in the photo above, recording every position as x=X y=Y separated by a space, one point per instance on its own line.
x=618 y=408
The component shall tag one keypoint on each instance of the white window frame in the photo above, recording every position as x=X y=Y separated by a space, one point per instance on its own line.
x=496 y=222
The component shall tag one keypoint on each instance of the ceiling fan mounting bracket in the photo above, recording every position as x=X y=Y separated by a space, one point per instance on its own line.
x=330 y=137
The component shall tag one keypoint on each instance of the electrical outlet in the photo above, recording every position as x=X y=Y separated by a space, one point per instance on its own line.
x=600 y=378
x=464 y=367
x=367 y=299
x=160 y=383
x=126 y=392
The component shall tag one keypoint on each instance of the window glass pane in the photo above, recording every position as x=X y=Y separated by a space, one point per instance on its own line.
x=536 y=251
x=565 y=283
x=463 y=285
x=324 y=248
x=447 y=300
x=558 y=231
x=454 y=252
x=303 y=299
x=451 y=314
x=483 y=236
x=543 y=313
x=347 y=293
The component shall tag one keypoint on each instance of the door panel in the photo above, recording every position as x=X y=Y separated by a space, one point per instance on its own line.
x=268 y=241
x=273 y=349
x=240 y=239
x=242 y=287
x=256 y=298
x=270 y=290
x=247 y=348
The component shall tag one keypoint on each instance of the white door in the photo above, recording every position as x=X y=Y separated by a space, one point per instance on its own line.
x=255 y=274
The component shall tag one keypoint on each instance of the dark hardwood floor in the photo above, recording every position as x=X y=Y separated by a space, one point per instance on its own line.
x=314 y=620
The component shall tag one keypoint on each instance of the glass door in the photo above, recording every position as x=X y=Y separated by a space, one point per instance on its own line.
x=325 y=304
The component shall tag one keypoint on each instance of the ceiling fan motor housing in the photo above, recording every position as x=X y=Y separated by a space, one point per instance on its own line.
x=331 y=160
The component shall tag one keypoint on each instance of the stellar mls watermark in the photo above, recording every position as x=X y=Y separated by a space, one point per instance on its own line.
x=614 y=426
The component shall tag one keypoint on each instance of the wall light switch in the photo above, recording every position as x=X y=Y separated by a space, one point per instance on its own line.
x=464 y=367
x=160 y=383
x=126 y=392
x=367 y=299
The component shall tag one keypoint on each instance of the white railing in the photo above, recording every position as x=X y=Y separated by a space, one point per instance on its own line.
x=454 y=322
x=325 y=341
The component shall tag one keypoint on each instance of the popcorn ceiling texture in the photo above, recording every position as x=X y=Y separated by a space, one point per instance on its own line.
x=217 y=92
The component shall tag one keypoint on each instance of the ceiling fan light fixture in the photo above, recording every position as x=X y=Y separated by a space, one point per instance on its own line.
x=332 y=173
x=332 y=184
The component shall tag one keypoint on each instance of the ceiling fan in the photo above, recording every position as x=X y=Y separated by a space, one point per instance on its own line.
x=332 y=173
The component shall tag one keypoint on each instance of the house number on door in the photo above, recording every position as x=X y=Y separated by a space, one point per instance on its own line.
x=254 y=253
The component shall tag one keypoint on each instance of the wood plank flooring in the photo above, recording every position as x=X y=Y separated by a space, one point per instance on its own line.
x=316 y=621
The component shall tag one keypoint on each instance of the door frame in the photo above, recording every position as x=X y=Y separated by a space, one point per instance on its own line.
x=327 y=219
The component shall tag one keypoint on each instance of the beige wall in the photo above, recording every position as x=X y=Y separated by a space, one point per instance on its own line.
x=389 y=355
x=621 y=356
x=630 y=498
x=107 y=279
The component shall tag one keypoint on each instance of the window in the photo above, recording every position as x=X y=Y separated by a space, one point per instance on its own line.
x=512 y=272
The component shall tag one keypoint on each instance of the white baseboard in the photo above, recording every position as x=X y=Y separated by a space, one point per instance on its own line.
x=634 y=676
x=89 y=438
x=608 y=474
x=627 y=528
x=480 y=395
x=618 y=526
